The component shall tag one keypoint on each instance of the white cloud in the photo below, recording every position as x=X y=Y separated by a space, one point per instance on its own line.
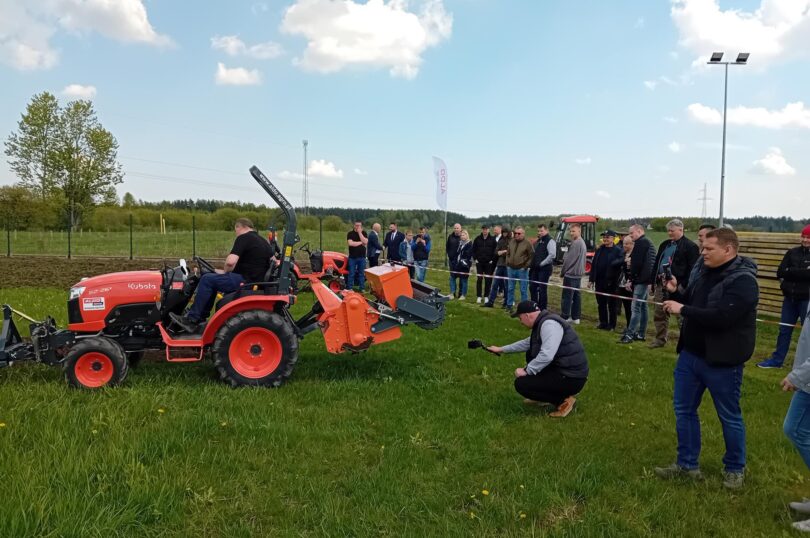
x=26 y=28
x=792 y=115
x=345 y=33
x=583 y=161
x=670 y=119
x=603 y=194
x=286 y=174
x=326 y=169
x=233 y=46
x=773 y=163
x=675 y=147
x=79 y=92
x=777 y=29
x=237 y=76
x=650 y=84
x=360 y=172
x=639 y=23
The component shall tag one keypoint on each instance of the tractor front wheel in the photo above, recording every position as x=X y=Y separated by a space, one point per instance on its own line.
x=94 y=363
x=255 y=348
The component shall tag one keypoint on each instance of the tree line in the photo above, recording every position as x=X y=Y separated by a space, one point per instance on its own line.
x=68 y=169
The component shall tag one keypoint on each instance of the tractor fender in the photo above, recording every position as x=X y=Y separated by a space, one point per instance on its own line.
x=250 y=302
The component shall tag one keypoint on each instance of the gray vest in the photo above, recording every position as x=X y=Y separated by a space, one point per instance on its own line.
x=570 y=359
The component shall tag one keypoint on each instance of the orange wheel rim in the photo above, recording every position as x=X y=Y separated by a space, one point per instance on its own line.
x=94 y=369
x=334 y=285
x=255 y=352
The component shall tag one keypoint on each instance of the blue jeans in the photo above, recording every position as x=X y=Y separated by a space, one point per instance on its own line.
x=421 y=269
x=639 y=316
x=571 y=299
x=792 y=311
x=539 y=292
x=498 y=285
x=211 y=284
x=453 y=277
x=693 y=376
x=522 y=275
x=797 y=424
x=357 y=268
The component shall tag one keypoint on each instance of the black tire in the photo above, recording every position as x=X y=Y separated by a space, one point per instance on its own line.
x=282 y=349
x=94 y=363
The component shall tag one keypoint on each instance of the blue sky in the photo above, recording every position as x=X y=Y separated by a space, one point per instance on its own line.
x=537 y=107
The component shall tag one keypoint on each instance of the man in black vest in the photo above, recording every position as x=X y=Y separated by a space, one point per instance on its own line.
x=556 y=364
x=718 y=335
x=545 y=252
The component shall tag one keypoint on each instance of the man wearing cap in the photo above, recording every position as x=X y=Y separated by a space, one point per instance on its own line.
x=272 y=238
x=556 y=363
x=794 y=274
x=676 y=257
x=604 y=277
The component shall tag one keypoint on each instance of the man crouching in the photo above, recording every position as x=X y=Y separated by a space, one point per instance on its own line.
x=556 y=364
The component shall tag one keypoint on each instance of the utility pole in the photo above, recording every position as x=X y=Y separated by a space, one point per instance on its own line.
x=305 y=196
x=704 y=210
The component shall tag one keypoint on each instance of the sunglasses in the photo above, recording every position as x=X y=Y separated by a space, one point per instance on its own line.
x=518 y=233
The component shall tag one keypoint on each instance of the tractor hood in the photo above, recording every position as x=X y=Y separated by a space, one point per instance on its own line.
x=92 y=299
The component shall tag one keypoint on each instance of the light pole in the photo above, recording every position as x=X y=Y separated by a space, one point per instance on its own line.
x=716 y=59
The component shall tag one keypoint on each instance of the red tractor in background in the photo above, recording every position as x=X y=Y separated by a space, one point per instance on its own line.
x=251 y=337
x=589 y=235
x=328 y=266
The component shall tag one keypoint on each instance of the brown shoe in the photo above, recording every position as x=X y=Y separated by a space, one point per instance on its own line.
x=565 y=408
x=656 y=344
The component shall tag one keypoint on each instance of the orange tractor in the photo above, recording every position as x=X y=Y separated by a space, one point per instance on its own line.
x=251 y=337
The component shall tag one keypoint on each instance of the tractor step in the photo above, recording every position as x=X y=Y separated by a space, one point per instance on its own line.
x=187 y=349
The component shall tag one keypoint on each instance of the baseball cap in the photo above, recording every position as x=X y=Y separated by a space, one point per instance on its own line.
x=526 y=307
x=608 y=233
x=806 y=230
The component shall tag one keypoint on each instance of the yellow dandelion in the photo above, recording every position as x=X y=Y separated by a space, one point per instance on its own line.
x=522 y=486
x=522 y=515
x=484 y=492
x=472 y=515
x=95 y=432
x=161 y=411
x=2 y=424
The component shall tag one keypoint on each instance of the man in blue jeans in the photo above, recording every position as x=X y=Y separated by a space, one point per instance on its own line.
x=502 y=237
x=797 y=420
x=642 y=264
x=794 y=274
x=248 y=261
x=357 y=239
x=518 y=259
x=719 y=310
x=572 y=271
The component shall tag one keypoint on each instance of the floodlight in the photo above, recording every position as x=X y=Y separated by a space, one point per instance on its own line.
x=716 y=57
x=742 y=57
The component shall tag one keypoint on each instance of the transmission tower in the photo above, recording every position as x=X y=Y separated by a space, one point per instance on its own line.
x=704 y=199
x=305 y=194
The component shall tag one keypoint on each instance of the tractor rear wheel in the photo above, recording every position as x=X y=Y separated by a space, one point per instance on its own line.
x=255 y=348
x=95 y=362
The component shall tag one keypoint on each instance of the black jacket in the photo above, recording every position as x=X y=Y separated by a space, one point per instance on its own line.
x=463 y=261
x=483 y=250
x=794 y=272
x=451 y=246
x=392 y=242
x=503 y=244
x=642 y=261
x=720 y=313
x=683 y=261
x=606 y=265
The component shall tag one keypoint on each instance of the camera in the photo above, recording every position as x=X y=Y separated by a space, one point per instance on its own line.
x=667 y=275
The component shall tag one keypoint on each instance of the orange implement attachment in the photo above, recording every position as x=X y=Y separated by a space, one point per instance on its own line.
x=346 y=322
x=388 y=282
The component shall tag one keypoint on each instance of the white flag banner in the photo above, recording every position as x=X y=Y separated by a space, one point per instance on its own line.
x=440 y=171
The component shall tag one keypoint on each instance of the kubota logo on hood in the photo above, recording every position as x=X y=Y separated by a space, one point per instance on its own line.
x=141 y=286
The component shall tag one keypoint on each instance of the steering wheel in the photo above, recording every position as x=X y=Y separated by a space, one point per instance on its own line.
x=205 y=267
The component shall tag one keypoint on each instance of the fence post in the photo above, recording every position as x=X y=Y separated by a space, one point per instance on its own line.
x=193 y=237
x=8 y=239
x=70 y=229
x=130 y=236
x=320 y=233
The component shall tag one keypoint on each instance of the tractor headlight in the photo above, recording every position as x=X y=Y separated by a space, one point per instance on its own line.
x=75 y=293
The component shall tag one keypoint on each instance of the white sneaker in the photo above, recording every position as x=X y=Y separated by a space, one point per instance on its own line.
x=802 y=507
x=575 y=321
x=803 y=526
x=462 y=298
x=478 y=301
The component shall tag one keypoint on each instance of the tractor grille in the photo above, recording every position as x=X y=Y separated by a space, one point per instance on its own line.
x=74 y=314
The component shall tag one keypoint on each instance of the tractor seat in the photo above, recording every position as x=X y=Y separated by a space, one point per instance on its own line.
x=244 y=291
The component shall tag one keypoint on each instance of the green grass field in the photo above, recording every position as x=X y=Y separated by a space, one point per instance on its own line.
x=419 y=437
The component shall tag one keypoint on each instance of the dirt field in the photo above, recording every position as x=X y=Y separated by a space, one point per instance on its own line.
x=61 y=272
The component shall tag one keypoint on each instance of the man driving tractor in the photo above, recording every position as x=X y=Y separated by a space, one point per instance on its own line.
x=248 y=261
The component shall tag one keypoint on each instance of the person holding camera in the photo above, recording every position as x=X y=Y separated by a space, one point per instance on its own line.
x=556 y=363
x=676 y=257
x=420 y=256
x=719 y=312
